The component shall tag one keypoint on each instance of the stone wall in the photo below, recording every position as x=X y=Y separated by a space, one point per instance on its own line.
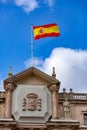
x=2 y=104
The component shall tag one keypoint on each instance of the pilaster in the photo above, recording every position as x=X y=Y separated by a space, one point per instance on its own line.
x=54 y=94
x=8 y=100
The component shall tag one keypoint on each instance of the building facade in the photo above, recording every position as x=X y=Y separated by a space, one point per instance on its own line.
x=32 y=101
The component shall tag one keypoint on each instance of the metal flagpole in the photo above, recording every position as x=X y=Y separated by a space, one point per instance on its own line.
x=32 y=47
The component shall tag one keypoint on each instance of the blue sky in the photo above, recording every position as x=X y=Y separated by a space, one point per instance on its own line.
x=67 y=53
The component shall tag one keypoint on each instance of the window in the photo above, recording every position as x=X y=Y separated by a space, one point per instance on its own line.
x=85 y=118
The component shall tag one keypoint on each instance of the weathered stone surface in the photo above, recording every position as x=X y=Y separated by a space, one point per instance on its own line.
x=31 y=103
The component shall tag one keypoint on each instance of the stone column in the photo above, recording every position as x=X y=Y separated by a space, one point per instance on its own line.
x=8 y=101
x=54 y=93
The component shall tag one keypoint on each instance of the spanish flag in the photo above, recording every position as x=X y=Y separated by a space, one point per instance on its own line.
x=48 y=30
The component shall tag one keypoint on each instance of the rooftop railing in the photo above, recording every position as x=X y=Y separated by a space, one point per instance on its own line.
x=73 y=96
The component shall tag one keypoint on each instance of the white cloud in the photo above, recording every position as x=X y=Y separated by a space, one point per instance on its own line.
x=28 y=5
x=50 y=2
x=35 y=61
x=70 y=66
x=1 y=85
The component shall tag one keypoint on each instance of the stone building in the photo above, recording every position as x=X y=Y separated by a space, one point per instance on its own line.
x=32 y=101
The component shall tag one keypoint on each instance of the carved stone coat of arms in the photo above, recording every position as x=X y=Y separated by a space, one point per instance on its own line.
x=31 y=102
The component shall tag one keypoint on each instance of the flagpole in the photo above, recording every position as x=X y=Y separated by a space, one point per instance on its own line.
x=32 y=47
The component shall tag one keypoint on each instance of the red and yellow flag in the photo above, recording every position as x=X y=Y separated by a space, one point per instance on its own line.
x=48 y=30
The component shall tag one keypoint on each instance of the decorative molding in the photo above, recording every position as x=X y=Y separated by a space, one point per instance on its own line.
x=31 y=102
x=9 y=87
x=54 y=87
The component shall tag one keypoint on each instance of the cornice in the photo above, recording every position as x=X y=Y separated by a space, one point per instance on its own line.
x=29 y=72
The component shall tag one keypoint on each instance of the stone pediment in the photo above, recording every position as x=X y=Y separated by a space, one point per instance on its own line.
x=31 y=95
x=31 y=76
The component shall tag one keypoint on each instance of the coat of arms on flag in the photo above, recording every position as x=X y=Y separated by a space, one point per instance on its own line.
x=48 y=30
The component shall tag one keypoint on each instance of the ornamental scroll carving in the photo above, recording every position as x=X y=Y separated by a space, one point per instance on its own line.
x=31 y=102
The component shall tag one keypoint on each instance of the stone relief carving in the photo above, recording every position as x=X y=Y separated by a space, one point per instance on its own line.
x=31 y=102
x=60 y=112
x=66 y=106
